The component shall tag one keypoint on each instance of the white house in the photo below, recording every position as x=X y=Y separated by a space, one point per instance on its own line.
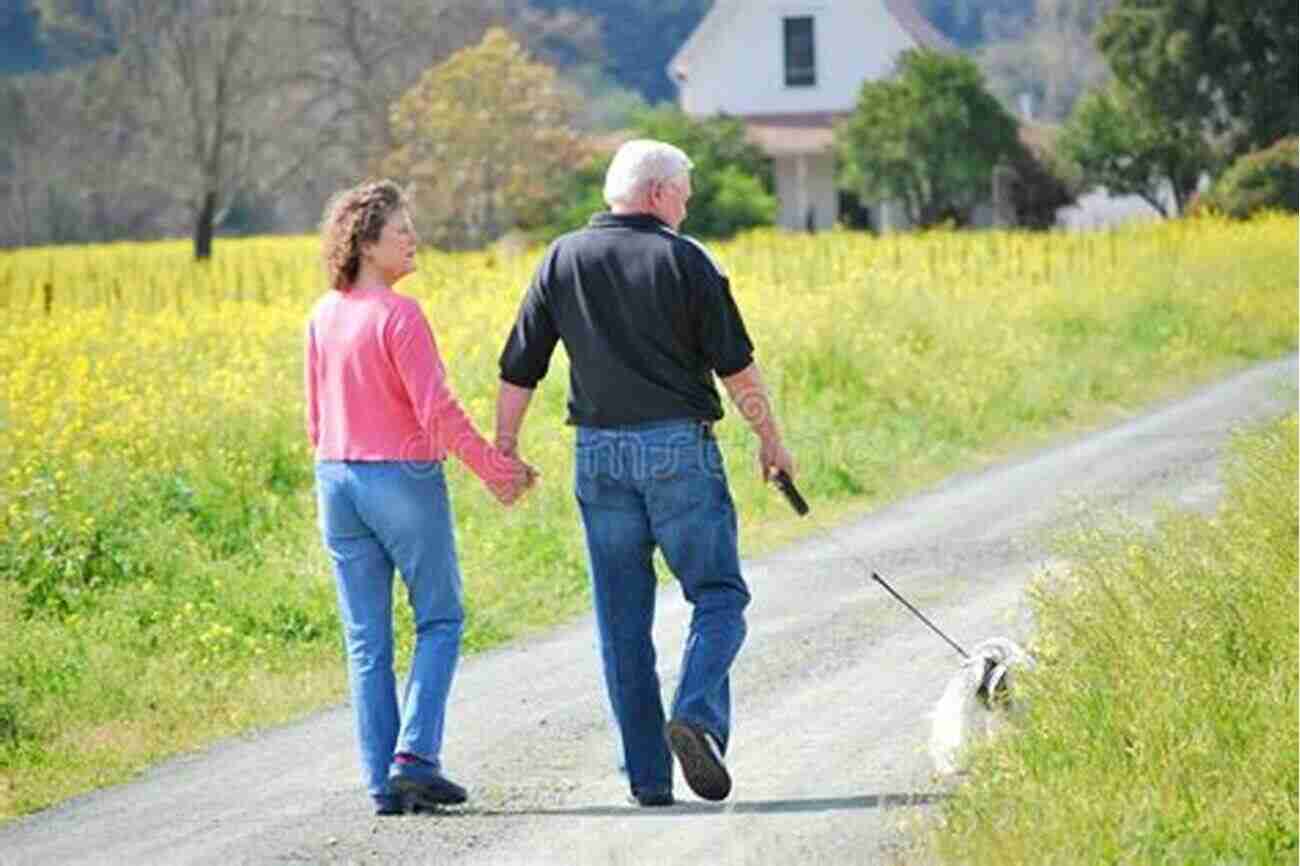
x=789 y=69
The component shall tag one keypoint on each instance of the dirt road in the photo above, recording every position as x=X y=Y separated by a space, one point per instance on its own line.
x=832 y=695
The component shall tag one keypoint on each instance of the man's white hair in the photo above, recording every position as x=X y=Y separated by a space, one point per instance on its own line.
x=639 y=163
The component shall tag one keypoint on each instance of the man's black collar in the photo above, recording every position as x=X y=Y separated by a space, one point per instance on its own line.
x=605 y=219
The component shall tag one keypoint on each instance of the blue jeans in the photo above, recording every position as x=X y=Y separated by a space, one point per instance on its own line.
x=661 y=485
x=375 y=517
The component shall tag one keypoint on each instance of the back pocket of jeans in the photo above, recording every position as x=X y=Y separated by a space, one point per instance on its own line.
x=599 y=480
x=677 y=487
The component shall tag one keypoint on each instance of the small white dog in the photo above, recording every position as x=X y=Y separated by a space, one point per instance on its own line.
x=975 y=699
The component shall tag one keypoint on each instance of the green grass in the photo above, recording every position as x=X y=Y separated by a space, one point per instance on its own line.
x=1160 y=726
x=162 y=583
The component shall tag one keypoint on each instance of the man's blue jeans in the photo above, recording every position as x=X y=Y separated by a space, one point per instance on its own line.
x=376 y=517
x=661 y=485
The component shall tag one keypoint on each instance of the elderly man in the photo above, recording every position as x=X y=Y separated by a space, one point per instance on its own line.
x=647 y=319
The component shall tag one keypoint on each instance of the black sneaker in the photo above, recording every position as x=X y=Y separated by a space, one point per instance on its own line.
x=420 y=784
x=651 y=798
x=701 y=760
x=387 y=804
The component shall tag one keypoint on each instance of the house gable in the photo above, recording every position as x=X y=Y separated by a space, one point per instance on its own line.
x=734 y=62
x=752 y=59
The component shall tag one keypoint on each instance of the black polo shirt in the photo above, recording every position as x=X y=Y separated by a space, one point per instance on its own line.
x=646 y=316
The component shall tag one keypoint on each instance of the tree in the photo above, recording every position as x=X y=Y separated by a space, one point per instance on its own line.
x=17 y=139
x=196 y=81
x=1122 y=143
x=1040 y=183
x=581 y=196
x=1225 y=67
x=929 y=138
x=363 y=55
x=58 y=183
x=305 y=89
x=1259 y=181
x=488 y=139
x=731 y=181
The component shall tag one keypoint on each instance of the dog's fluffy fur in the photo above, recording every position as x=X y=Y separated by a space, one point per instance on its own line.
x=966 y=710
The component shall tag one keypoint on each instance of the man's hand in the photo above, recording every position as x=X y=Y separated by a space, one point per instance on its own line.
x=748 y=392
x=773 y=458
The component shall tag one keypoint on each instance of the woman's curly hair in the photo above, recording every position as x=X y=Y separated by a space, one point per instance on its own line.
x=354 y=217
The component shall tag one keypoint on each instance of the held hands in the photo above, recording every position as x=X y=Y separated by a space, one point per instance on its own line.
x=519 y=476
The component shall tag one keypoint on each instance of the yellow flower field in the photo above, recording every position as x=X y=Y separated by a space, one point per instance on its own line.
x=161 y=582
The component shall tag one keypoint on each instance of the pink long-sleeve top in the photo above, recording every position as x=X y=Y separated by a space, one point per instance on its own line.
x=377 y=388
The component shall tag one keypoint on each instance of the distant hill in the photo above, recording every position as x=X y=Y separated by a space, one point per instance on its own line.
x=970 y=23
x=640 y=37
x=20 y=49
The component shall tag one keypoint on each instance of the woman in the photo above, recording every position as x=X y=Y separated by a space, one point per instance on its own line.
x=381 y=417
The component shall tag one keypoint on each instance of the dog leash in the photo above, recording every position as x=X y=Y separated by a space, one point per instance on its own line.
x=800 y=505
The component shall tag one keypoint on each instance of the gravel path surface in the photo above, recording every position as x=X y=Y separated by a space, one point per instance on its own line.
x=832 y=694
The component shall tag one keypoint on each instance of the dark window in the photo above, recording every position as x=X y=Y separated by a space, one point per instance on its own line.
x=800 y=58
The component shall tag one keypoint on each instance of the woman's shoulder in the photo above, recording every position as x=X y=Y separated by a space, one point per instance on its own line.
x=366 y=301
x=401 y=314
x=323 y=303
x=402 y=305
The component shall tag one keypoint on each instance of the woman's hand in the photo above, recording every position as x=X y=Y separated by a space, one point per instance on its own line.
x=520 y=477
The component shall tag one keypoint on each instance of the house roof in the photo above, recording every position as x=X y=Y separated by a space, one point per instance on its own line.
x=712 y=22
x=792 y=134
x=918 y=26
x=925 y=34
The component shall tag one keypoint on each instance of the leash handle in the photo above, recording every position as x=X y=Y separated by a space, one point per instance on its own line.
x=786 y=483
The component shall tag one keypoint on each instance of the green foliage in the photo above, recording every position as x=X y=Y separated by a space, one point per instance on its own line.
x=1159 y=726
x=928 y=137
x=1119 y=140
x=1196 y=82
x=739 y=201
x=582 y=196
x=1264 y=180
x=731 y=181
x=1229 y=66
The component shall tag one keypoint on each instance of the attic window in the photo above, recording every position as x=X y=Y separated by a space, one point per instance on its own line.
x=800 y=58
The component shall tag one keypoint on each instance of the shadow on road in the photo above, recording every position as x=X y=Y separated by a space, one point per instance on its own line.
x=740 y=807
